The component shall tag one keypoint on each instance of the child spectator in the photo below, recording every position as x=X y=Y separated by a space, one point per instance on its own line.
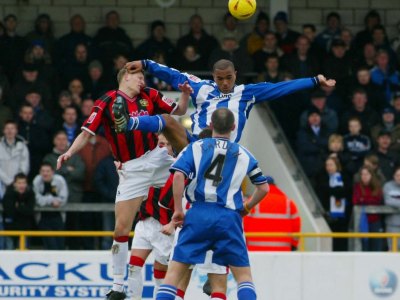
x=391 y=195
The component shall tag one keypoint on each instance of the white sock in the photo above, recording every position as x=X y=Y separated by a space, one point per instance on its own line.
x=119 y=253
x=135 y=282
x=157 y=284
x=178 y=298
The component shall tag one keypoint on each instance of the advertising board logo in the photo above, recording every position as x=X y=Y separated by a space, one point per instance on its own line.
x=383 y=283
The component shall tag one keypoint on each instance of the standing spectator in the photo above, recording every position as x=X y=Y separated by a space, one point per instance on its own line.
x=357 y=144
x=70 y=124
x=347 y=37
x=366 y=59
x=310 y=31
x=14 y=156
x=73 y=171
x=64 y=100
x=97 y=82
x=396 y=43
x=312 y=144
x=331 y=32
x=19 y=206
x=106 y=183
x=396 y=106
x=44 y=32
x=336 y=150
x=332 y=188
x=157 y=43
x=300 y=63
x=388 y=124
x=76 y=88
x=198 y=38
x=51 y=191
x=86 y=109
x=42 y=115
x=192 y=60
x=388 y=159
x=286 y=37
x=254 y=40
x=361 y=110
x=14 y=47
x=230 y=50
x=328 y=116
x=363 y=37
x=270 y=47
x=381 y=42
x=371 y=161
x=385 y=75
x=77 y=66
x=391 y=195
x=272 y=72
x=369 y=192
x=111 y=40
x=35 y=136
x=229 y=28
x=5 y=111
x=67 y=44
x=376 y=98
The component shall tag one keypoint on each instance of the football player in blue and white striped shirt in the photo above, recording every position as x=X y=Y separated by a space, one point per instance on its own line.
x=208 y=95
x=217 y=168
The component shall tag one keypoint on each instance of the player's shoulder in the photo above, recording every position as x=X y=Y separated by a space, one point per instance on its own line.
x=108 y=96
x=149 y=92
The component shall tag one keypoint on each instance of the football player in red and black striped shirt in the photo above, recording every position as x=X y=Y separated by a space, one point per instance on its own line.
x=143 y=164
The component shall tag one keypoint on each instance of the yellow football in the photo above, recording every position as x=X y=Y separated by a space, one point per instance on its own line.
x=242 y=9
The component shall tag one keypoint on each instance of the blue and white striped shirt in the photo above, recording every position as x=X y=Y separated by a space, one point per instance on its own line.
x=207 y=97
x=217 y=168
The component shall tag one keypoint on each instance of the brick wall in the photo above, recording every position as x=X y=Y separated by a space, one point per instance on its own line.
x=137 y=14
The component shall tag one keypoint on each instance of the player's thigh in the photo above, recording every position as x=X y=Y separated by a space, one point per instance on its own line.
x=241 y=274
x=125 y=212
x=175 y=133
x=162 y=246
x=141 y=243
x=218 y=282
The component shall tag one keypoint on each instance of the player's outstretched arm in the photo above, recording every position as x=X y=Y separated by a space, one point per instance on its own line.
x=77 y=145
x=183 y=103
x=259 y=193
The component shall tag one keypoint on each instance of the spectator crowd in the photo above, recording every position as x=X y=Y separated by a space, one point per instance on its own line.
x=347 y=137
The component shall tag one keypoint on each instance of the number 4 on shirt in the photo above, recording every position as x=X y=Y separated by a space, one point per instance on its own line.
x=214 y=171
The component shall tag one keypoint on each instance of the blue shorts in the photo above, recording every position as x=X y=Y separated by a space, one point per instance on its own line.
x=209 y=226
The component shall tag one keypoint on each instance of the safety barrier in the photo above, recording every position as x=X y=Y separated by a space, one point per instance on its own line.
x=302 y=236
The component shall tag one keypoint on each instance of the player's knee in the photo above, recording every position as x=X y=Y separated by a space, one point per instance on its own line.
x=121 y=229
x=161 y=264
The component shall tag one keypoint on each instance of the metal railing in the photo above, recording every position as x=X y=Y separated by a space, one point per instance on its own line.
x=301 y=236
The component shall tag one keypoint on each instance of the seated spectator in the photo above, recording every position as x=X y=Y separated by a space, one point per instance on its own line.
x=111 y=40
x=70 y=123
x=328 y=116
x=312 y=144
x=106 y=182
x=18 y=207
x=385 y=76
x=153 y=81
x=347 y=37
x=332 y=189
x=44 y=32
x=86 y=109
x=42 y=116
x=369 y=192
x=270 y=47
x=366 y=59
x=230 y=50
x=97 y=83
x=5 y=111
x=13 y=45
x=229 y=28
x=35 y=137
x=388 y=124
x=286 y=37
x=381 y=42
x=391 y=196
x=361 y=110
x=197 y=37
x=51 y=191
x=310 y=31
x=388 y=159
x=30 y=81
x=273 y=73
x=76 y=88
x=157 y=43
x=363 y=37
x=376 y=98
x=254 y=40
x=66 y=46
x=192 y=60
x=14 y=156
x=300 y=63
x=331 y=32
x=333 y=99
x=119 y=62
x=371 y=161
x=77 y=66
x=73 y=171
x=396 y=42
x=396 y=106
x=357 y=144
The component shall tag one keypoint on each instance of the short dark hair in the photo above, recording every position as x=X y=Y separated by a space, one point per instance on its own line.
x=46 y=164
x=222 y=120
x=20 y=176
x=205 y=133
x=311 y=26
x=223 y=64
x=359 y=90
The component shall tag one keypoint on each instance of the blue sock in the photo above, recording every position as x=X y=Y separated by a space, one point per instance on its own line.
x=166 y=292
x=246 y=291
x=147 y=123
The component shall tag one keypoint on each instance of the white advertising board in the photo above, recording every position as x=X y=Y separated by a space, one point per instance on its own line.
x=277 y=276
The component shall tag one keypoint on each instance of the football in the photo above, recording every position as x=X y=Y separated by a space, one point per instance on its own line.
x=242 y=9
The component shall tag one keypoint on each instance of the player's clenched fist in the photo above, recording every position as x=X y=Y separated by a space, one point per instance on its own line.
x=134 y=66
x=325 y=82
x=61 y=159
x=177 y=218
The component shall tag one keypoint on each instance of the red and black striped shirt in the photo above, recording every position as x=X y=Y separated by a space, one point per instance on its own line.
x=159 y=203
x=132 y=144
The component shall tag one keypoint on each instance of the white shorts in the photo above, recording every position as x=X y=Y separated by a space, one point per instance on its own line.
x=138 y=175
x=148 y=235
x=208 y=266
